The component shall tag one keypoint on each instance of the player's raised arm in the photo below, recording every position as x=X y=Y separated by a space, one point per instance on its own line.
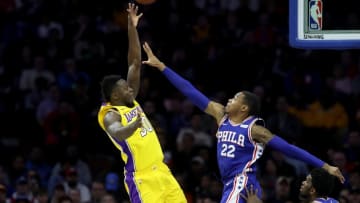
x=134 y=50
x=197 y=98
x=263 y=135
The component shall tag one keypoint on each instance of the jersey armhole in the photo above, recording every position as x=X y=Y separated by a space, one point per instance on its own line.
x=113 y=110
x=256 y=121
x=260 y=121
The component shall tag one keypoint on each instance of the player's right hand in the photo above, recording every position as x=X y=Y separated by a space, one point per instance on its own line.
x=335 y=171
x=152 y=59
x=133 y=14
x=138 y=121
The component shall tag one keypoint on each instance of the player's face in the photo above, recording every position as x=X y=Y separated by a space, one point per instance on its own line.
x=236 y=103
x=306 y=186
x=124 y=92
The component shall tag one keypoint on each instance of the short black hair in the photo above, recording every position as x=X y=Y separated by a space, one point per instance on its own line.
x=253 y=102
x=108 y=84
x=322 y=181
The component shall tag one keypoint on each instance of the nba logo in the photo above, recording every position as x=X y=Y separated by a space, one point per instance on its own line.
x=315 y=14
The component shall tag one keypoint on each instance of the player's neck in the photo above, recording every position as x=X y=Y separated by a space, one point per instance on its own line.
x=305 y=198
x=117 y=103
x=238 y=118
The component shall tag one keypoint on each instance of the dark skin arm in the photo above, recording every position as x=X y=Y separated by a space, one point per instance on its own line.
x=134 y=52
x=263 y=135
x=113 y=126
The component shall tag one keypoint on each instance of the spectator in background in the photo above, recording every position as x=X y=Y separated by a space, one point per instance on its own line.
x=22 y=191
x=65 y=199
x=108 y=198
x=34 y=82
x=28 y=77
x=342 y=81
x=283 y=123
x=17 y=169
x=62 y=125
x=352 y=145
x=97 y=191
x=42 y=196
x=354 y=196
x=282 y=191
x=184 y=151
x=45 y=27
x=112 y=182
x=290 y=128
x=3 y=194
x=72 y=159
x=37 y=162
x=70 y=76
x=355 y=82
x=268 y=175
x=325 y=118
x=4 y=177
x=166 y=147
x=48 y=104
x=34 y=182
x=58 y=194
x=325 y=112
x=75 y=195
x=152 y=113
x=77 y=190
x=354 y=178
x=201 y=138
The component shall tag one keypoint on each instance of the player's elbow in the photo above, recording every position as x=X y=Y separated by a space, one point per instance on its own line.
x=119 y=136
x=135 y=63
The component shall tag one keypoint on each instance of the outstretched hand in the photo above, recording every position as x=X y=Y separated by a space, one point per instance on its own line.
x=152 y=59
x=132 y=14
x=251 y=196
x=335 y=171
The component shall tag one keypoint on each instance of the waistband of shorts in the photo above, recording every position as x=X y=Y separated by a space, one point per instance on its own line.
x=247 y=172
x=152 y=167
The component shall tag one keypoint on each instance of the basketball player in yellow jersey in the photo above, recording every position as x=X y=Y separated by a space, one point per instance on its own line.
x=147 y=177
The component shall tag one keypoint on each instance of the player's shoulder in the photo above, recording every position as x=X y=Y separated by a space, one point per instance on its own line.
x=112 y=112
x=112 y=115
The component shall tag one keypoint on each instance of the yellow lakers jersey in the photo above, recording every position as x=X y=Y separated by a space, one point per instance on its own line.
x=142 y=148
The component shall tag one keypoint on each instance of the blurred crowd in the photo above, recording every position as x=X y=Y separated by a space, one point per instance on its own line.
x=53 y=55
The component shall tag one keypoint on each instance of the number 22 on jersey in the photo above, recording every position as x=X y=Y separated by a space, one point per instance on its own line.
x=227 y=150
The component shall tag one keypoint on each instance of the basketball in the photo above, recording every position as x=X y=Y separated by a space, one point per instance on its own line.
x=145 y=2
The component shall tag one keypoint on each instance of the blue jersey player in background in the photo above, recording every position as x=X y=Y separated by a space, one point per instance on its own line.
x=240 y=142
x=317 y=187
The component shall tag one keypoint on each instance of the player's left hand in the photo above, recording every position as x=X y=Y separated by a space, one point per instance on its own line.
x=152 y=59
x=132 y=11
x=335 y=171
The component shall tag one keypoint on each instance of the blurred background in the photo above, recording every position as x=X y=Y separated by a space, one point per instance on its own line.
x=53 y=55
